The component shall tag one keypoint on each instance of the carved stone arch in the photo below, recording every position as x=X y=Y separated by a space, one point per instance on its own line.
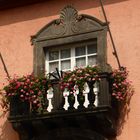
x=69 y=23
x=69 y=28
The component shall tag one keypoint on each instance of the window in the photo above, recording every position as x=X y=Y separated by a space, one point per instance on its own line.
x=66 y=58
x=72 y=40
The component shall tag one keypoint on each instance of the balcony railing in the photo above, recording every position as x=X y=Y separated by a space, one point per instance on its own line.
x=95 y=97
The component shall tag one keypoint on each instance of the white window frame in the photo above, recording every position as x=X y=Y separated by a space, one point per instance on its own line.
x=72 y=57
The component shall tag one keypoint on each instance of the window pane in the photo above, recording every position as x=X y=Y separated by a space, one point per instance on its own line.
x=53 y=66
x=81 y=62
x=65 y=64
x=80 y=51
x=65 y=53
x=53 y=55
x=92 y=48
x=92 y=60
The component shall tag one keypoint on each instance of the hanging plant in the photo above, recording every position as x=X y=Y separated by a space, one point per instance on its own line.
x=79 y=77
x=121 y=86
x=33 y=89
x=28 y=89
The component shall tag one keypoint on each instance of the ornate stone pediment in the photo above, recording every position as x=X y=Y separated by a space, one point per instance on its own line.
x=69 y=24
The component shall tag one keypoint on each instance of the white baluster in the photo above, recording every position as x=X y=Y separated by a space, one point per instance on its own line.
x=76 y=104
x=96 y=91
x=66 y=94
x=49 y=97
x=85 y=92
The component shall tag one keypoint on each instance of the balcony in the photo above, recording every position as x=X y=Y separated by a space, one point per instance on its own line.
x=94 y=98
x=70 y=109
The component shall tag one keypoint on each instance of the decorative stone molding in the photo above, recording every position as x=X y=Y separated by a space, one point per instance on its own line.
x=69 y=23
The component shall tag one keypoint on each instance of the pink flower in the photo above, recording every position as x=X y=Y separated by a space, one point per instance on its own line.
x=69 y=79
x=121 y=98
x=31 y=91
x=67 y=84
x=38 y=105
x=62 y=88
x=87 y=74
x=93 y=79
x=113 y=94
x=81 y=77
x=114 y=84
x=26 y=98
x=39 y=93
x=79 y=71
x=74 y=79
x=34 y=96
x=28 y=80
x=21 y=95
x=9 y=94
x=21 y=90
x=35 y=101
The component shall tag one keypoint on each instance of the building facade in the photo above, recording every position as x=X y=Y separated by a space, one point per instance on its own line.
x=19 y=24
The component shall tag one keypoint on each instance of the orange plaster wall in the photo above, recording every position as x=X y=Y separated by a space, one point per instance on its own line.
x=17 y=25
x=125 y=25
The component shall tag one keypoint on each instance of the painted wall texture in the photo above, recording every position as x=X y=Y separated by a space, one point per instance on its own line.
x=18 y=24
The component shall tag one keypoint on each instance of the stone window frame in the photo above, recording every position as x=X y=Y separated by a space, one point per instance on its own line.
x=70 y=28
